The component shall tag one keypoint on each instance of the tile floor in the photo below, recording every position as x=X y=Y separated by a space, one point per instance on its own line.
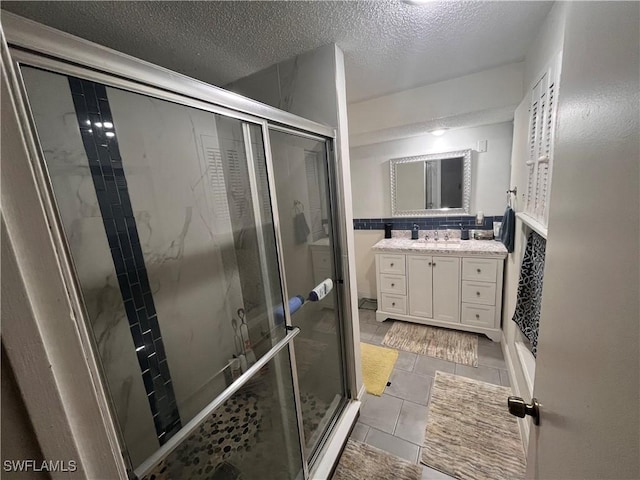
x=395 y=422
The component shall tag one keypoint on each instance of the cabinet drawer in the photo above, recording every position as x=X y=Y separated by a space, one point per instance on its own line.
x=393 y=284
x=477 y=292
x=321 y=259
x=479 y=269
x=393 y=264
x=478 y=315
x=394 y=303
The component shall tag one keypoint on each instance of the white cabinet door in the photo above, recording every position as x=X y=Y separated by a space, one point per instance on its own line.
x=446 y=289
x=420 y=286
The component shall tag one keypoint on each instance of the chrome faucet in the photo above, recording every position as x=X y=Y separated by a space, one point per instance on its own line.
x=446 y=235
x=435 y=235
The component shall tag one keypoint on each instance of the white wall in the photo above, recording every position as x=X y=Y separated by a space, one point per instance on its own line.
x=467 y=99
x=489 y=176
x=365 y=261
x=298 y=85
x=548 y=42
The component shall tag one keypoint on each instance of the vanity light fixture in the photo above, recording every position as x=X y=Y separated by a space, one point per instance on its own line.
x=437 y=133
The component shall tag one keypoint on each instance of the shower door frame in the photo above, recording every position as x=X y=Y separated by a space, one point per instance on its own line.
x=35 y=45
x=333 y=199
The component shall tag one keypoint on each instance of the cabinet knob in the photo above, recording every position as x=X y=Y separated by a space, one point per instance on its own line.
x=434 y=264
x=392 y=264
x=393 y=284
x=479 y=270
x=477 y=315
x=430 y=264
x=393 y=304
x=478 y=293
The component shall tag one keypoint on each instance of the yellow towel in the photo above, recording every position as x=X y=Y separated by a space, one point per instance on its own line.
x=377 y=365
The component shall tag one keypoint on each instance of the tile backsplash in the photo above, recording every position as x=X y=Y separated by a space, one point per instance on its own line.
x=425 y=223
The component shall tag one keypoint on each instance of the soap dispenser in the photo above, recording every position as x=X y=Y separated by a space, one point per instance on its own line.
x=414 y=232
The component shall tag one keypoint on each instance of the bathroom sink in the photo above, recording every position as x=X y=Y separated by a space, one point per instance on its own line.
x=451 y=243
x=445 y=244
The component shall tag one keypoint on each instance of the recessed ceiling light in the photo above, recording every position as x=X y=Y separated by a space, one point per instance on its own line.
x=438 y=132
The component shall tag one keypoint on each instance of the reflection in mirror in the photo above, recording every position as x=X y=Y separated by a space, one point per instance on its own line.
x=437 y=184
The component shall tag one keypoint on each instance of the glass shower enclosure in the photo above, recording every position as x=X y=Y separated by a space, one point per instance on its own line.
x=197 y=235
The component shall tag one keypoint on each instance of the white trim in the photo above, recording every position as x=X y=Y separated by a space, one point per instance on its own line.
x=533 y=224
x=527 y=363
x=343 y=223
x=362 y=392
x=523 y=423
x=330 y=454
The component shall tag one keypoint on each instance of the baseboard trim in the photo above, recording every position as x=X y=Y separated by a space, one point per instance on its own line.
x=523 y=424
x=362 y=392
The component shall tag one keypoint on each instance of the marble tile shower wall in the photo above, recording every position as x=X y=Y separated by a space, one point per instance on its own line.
x=183 y=232
x=425 y=223
x=105 y=163
x=52 y=106
x=178 y=191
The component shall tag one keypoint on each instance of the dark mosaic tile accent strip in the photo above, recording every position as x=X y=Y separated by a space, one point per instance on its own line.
x=105 y=163
x=425 y=223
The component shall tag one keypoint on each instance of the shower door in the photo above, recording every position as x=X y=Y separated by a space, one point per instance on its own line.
x=307 y=235
x=166 y=205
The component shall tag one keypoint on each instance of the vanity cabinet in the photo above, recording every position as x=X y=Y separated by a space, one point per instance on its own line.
x=448 y=290
x=434 y=287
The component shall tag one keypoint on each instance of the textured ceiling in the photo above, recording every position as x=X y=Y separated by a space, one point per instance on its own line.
x=389 y=45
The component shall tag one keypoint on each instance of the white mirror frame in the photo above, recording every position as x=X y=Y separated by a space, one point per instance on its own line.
x=435 y=212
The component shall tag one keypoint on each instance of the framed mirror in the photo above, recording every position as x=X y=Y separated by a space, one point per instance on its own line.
x=431 y=185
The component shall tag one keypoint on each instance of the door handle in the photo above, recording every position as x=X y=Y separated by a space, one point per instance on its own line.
x=519 y=408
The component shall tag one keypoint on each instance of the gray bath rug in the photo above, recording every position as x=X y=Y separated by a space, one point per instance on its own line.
x=451 y=345
x=470 y=434
x=360 y=461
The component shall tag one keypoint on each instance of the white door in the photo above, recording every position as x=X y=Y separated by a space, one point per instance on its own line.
x=446 y=289
x=420 y=285
x=588 y=354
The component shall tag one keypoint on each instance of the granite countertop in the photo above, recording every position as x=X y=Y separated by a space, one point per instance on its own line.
x=490 y=248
